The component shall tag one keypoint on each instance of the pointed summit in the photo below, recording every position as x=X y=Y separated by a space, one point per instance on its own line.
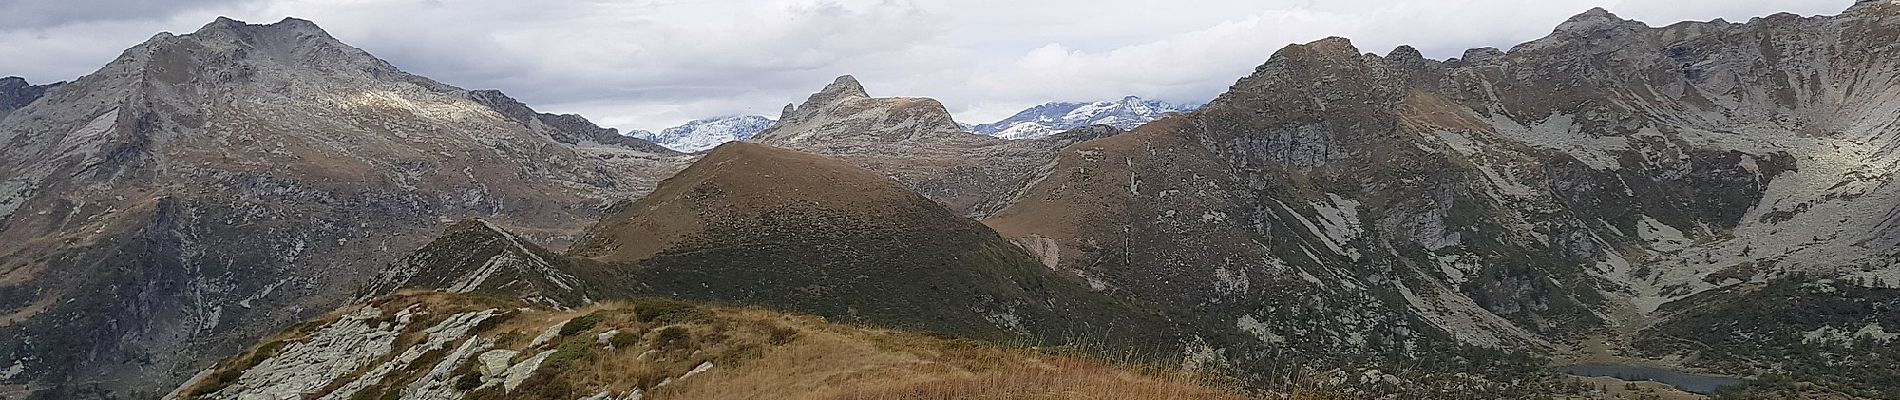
x=845 y=86
x=1595 y=19
x=222 y=22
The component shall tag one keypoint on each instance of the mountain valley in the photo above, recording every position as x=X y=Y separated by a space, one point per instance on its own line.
x=262 y=211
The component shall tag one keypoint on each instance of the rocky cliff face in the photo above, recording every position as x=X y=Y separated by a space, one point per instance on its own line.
x=205 y=189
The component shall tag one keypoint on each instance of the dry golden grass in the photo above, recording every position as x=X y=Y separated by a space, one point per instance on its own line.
x=829 y=362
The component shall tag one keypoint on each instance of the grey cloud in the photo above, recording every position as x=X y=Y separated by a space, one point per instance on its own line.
x=650 y=64
x=29 y=14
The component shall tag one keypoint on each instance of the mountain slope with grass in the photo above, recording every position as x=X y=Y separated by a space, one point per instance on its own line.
x=756 y=225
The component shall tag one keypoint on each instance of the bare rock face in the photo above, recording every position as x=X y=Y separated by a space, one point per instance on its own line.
x=204 y=189
x=915 y=141
x=15 y=92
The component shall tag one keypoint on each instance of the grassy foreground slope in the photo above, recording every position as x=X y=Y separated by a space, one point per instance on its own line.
x=433 y=345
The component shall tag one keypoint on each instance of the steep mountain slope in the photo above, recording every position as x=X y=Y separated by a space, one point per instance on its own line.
x=704 y=134
x=448 y=346
x=1048 y=119
x=914 y=141
x=751 y=224
x=205 y=189
x=1567 y=188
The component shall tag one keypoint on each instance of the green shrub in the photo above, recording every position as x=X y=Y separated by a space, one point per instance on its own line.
x=569 y=351
x=580 y=324
x=662 y=311
x=624 y=340
x=671 y=338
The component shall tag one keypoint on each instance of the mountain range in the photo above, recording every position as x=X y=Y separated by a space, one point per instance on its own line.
x=1050 y=118
x=1036 y=122
x=704 y=134
x=1711 y=200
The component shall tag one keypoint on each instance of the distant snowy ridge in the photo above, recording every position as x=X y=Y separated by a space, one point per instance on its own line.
x=704 y=134
x=1051 y=118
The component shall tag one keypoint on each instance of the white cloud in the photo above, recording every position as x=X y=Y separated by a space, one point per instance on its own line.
x=649 y=64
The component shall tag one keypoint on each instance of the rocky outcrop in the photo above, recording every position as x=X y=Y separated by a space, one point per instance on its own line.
x=475 y=256
x=15 y=92
x=203 y=189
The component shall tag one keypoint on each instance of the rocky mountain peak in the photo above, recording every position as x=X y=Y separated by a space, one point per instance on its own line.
x=1589 y=20
x=1594 y=21
x=1332 y=46
x=286 y=33
x=1404 y=53
x=844 y=86
x=1595 y=32
x=843 y=109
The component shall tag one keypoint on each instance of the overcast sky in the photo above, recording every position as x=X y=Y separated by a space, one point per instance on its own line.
x=649 y=64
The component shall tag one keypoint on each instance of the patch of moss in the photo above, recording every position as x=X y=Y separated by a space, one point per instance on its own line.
x=571 y=350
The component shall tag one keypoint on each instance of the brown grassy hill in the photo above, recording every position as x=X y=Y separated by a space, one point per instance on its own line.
x=757 y=225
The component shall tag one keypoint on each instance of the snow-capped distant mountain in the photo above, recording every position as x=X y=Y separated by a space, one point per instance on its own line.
x=704 y=134
x=1049 y=119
